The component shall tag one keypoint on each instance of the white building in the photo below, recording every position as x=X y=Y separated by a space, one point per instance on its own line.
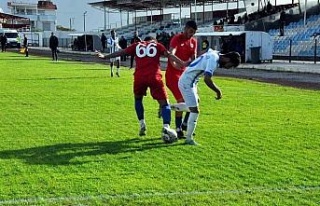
x=42 y=15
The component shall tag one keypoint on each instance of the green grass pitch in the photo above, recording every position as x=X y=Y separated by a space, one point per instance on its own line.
x=69 y=136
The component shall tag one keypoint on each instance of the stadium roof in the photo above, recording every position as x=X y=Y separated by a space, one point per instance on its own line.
x=10 y=16
x=142 y=5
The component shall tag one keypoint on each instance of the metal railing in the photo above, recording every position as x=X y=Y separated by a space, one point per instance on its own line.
x=290 y=49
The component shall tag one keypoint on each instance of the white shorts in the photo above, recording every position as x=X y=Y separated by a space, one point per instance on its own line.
x=190 y=94
x=115 y=59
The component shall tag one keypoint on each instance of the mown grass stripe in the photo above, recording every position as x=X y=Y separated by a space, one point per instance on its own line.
x=158 y=194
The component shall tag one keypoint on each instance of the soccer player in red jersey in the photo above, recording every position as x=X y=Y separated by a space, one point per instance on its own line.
x=184 y=46
x=148 y=75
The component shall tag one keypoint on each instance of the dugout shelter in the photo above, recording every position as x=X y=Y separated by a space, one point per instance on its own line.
x=86 y=42
x=254 y=46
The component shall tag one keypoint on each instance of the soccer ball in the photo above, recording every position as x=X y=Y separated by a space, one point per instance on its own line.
x=169 y=135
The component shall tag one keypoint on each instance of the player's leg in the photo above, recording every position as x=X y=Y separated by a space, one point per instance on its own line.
x=118 y=68
x=178 y=121
x=166 y=118
x=190 y=96
x=111 y=68
x=172 y=84
x=182 y=107
x=165 y=112
x=140 y=90
x=159 y=93
x=192 y=124
x=138 y=104
x=184 y=124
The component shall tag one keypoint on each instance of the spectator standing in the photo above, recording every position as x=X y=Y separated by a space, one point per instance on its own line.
x=245 y=18
x=53 y=44
x=135 y=39
x=282 y=22
x=269 y=7
x=103 y=41
x=184 y=46
x=25 y=45
x=228 y=44
x=3 y=40
x=123 y=44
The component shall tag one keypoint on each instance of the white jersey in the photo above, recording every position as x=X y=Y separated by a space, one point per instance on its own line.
x=113 y=44
x=206 y=63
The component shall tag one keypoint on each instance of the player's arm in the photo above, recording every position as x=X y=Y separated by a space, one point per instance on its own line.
x=212 y=85
x=175 y=64
x=178 y=62
x=112 y=55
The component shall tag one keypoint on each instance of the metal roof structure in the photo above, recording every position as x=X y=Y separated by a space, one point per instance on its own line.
x=12 y=21
x=143 y=5
x=10 y=16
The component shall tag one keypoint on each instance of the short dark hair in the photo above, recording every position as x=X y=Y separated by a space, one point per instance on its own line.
x=192 y=24
x=149 y=38
x=205 y=44
x=235 y=58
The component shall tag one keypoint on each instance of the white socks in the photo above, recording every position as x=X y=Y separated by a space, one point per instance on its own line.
x=166 y=126
x=142 y=122
x=192 y=123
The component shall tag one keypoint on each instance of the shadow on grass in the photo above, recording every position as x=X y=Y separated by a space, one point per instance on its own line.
x=63 y=154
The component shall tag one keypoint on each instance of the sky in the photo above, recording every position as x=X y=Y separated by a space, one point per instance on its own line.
x=73 y=11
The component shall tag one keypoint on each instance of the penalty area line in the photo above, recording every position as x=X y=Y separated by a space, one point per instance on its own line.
x=35 y=200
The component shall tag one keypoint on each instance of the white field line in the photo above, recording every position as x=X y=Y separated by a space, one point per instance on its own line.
x=77 y=199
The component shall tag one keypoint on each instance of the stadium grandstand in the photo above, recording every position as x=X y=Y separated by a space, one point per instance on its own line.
x=297 y=38
x=299 y=20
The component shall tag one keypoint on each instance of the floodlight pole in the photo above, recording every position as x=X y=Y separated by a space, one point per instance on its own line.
x=84 y=21
x=195 y=10
x=105 y=18
x=84 y=31
x=71 y=22
x=305 y=13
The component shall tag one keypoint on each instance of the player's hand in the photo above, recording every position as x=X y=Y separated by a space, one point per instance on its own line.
x=100 y=55
x=178 y=65
x=186 y=63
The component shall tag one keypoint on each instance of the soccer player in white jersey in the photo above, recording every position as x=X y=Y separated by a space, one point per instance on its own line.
x=113 y=45
x=208 y=61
